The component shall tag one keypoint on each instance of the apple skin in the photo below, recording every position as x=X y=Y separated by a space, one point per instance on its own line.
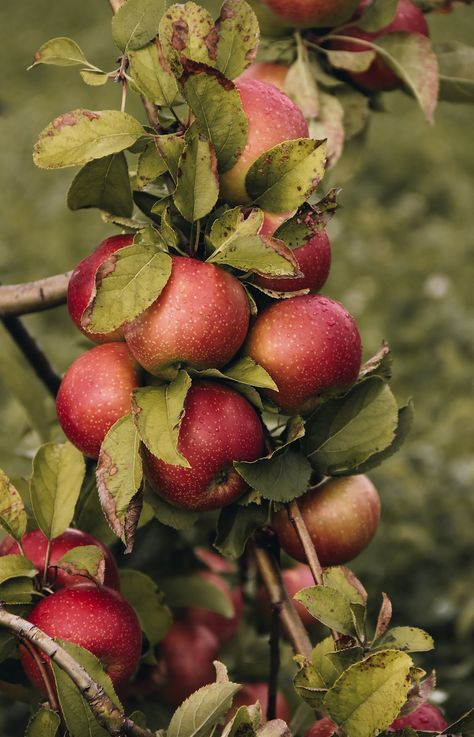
x=426 y=718
x=296 y=578
x=223 y=629
x=314 y=261
x=269 y=24
x=82 y=284
x=309 y=345
x=324 y=727
x=200 y=319
x=379 y=77
x=268 y=72
x=95 y=393
x=252 y=692
x=311 y=13
x=219 y=426
x=272 y=118
x=96 y=618
x=342 y=516
x=35 y=544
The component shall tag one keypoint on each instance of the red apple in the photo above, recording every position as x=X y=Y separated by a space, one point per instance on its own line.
x=219 y=426
x=342 y=516
x=34 y=546
x=269 y=24
x=222 y=627
x=269 y=72
x=314 y=261
x=426 y=718
x=308 y=13
x=379 y=76
x=96 y=618
x=324 y=727
x=296 y=578
x=272 y=118
x=214 y=562
x=95 y=393
x=252 y=692
x=82 y=284
x=309 y=345
x=200 y=319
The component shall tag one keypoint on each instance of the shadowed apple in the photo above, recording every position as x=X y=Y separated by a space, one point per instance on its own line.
x=309 y=13
x=426 y=718
x=223 y=628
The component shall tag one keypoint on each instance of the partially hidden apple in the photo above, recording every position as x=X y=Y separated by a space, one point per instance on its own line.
x=223 y=628
x=219 y=426
x=200 y=319
x=311 y=13
x=82 y=285
x=269 y=24
x=341 y=515
x=250 y=693
x=426 y=718
x=324 y=727
x=35 y=544
x=268 y=72
x=96 y=618
x=309 y=345
x=95 y=393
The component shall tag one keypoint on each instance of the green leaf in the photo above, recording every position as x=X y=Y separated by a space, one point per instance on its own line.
x=12 y=510
x=18 y=590
x=368 y=696
x=94 y=77
x=216 y=104
x=301 y=86
x=356 y=110
x=307 y=221
x=127 y=283
x=150 y=165
x=119 y=478
x=152 y=74
x=45 y=723
x=244 y=723
x=236 y=525
x=178 y=519
x=345 y=432
x=170 y=147
x=158 y=412
x=321 y=659
x=352 y=61
x=85 y=560
x=194 y=591
x=103 y=183
x=197 y=185
x=238 y=37
x=309 y=684
x=377 y=15
x=234 y=223
x=456 y=71
x=58 y=473
x=60 y=51
x=407 y=639
x=80 y=136
x=260 y=254
x=136 y=23
x=149 y=603
x=282 y=178
x=343 y=580
x=379 y=365
x=197 y=716
x=282 y=477
x=16 y=566
x=187 y=32
x=246 y=371
x=329 y=606
x=330 y=125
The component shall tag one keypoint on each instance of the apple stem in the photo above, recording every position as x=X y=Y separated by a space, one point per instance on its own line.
x=304 y=537
x=45 y=676
x=33 y=353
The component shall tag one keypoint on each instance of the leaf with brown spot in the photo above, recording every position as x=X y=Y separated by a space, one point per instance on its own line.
x=238 y=37
x=152 y=74
x=259 y=254
x=12 y=510
x=187 y=32
x=85 y=560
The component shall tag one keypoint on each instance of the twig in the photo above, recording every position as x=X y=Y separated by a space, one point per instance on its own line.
x=34 y=296
x=103 y=708
x=48 y=687
x=274 y=643
x=32 y=353
x=301 y=530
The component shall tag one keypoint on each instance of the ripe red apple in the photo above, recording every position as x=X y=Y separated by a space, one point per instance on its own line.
x=35 y=543
x=219 y=426
x=314 y=261
x=96 y=618
x=342 y=516
x=308 y=13
x=200 y=319
x=252 y=692
x=269 y=24
x=82 y=284
x=324 y=727
x=222 y=627
x=309 y=345
x=214 y=562
x=95 y=393
x=426 y=718
x=379 y=76
x=272 y=118
x=267 y=71
x=296 y=578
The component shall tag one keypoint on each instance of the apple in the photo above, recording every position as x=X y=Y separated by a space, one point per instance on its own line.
x=267 y=71
x=309 y=345
x=200 y=319
x=272 y=118
x=310 y=13
x=379 y=76
x=426 y=718
x=82 y=284
x=314 y=261
x=222 y=627
x=34 y=546
x=252 y=692
x=296 y=578
x=341 y=514
x=95 y=393
x=214 y=562
x=324 y=727
x=269 y=24
x=96 y=618
x=219 y=426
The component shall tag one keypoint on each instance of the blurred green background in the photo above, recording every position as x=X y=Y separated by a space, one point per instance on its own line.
x=402 y=264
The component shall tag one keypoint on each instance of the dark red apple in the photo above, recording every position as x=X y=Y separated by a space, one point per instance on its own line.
x=222 y=627
x=314 y=261
x=34 y=546
x=272 y=118
x=324 y=727
x=268 y=72
x=426 y=718
x=214 y=562
x=200 y=319
x=252 y=692
x=342 y=516
x=219 y=426
x=96 y=618
x=308 y=13
x=309 y=345
x=95 y=393
x=82 y=284
x=296 y=578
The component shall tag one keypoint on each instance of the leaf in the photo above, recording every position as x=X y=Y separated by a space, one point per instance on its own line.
x=378 y=365
x=178 y=519
x=378 y=15
x=136 y=23
x=170 y=147
x=12 y=510
x=216 y=104
x=80 y=136
x=330 y=125
x=343 y=580
x=202 y=710
x=234 y=223
x=355 y=108
x=60 y=51
x=352 y=61
x=103 y=183
x=309 y=684
x=150 y=165
x=464 y=725
x=18 y=590
x=149 y=603
x=368 y=696
x=281 y=478
x=301 y=87
x=85 y=560
x=187 y=32
x=126 y=284
x=307 y=221
x=194 y=591
x=384 y=616
x=158 y=412
x=119 y=478
x=16 y=566
x=94 y=77
x=45 y=723
x=456 y=71
x=246 y=371
x=282 y=178
x=152 y=74
x=274 y=728
x=244 y=723
x=322 y=661
x=238 y=36
x=236 y=525
x=58 y=473
x=197 y=185
x=407 y=639
x=328 y=606
x=260 y=254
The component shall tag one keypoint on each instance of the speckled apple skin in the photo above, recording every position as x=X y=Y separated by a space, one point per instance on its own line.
x=95 y=393
x=35 y=544
x=272 y=118
x=219 y=427
x=200 y=319
x=314 y=262
x=304 y=13
x=97 y=619
x=426 y=718
x=342 y=516
x=309 y=345
x=82 y=283
x=223 y=627
x=267 y=72
x=252 y=692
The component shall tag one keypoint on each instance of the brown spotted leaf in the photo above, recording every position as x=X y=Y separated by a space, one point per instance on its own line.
x=12 y=511
x=238 y=36
x=85 y=560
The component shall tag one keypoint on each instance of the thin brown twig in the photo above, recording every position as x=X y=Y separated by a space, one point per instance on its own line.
x=301 y=530
x=34 y=296
x=33 y=353
x=45 y=676
x=274 y=642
